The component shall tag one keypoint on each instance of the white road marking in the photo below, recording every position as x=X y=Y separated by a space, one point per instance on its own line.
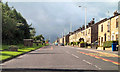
x=92 y=64
x=87 y=62
x=75 y=56
x=72 y=54
x=97 y=67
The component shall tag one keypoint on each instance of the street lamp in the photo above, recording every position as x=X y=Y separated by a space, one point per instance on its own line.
x=85 y=21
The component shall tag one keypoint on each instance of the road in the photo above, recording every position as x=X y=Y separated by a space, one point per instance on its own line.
x=64 y=57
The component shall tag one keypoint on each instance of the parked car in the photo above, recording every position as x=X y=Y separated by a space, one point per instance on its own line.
x=61 y=44
x=56 y=44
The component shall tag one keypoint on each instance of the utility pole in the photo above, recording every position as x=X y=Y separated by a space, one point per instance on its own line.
x=85 y=22
x=70 y=27
x=108 y=14
x=49 y=38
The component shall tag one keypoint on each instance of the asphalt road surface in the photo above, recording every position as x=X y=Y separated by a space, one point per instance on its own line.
x=63 y=58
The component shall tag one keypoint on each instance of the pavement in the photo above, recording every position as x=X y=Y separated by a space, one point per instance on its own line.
x=64 y=58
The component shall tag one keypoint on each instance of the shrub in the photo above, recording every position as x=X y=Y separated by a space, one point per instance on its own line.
x=81 y=42
x=13 y=48
x=65 y=43
x=77 y=43
x=71 y=43
x=109 y=43
x=68 y=43
x=74 y=43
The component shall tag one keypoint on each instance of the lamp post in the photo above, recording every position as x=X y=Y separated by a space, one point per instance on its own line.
x=85 y=22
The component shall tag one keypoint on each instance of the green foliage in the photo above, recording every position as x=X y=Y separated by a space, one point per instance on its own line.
x=14 y=26
x=32 y=32
x=82 y=42
x=108 y=44
x=39 y=38
x=77 y=43
x=65 y=43
x=69 y=44
x=13 y=46
x=4 y=47
x=47 y=44
x=74 y=43
x=22 y=49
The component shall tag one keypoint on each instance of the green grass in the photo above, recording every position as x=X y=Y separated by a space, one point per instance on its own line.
x=8 y=54
x=4 y=47
x=22 y=49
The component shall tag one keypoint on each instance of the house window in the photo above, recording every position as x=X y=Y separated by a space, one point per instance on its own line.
x=108 y=26
x=89 y=31
x=101 y=28
x=116 y=23
x=99 y=40
x=116 y=36
x=105 y=36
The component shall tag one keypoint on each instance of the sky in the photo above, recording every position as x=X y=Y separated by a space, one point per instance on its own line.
x=53 y=19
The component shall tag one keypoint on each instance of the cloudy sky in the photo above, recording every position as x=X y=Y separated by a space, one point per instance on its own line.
x=53 y=18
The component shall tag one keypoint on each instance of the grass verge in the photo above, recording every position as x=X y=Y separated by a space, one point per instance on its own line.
x=4 y=55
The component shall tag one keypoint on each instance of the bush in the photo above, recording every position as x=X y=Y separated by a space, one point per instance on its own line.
x=109 y=43
x=65 y=43
x=82 y=42
x=13 y=48
x=69 y=44
x=77 y=43
x=74 y=43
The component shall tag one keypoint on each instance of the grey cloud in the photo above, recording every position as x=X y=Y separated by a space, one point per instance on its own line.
x=50 y=19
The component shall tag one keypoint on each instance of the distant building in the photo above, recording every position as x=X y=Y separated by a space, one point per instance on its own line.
x=89 y=35
x=66 y=39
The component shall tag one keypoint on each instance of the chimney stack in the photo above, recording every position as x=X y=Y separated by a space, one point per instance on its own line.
x=93 y=22
x=115 y=13
x=83 y=27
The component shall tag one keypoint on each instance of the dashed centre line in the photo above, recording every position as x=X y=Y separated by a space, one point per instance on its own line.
x=87 y=62
x=84 y=60
x=75 y=56
x=92 y=64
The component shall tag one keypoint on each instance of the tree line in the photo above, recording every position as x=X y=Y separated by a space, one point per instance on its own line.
x=15 y=27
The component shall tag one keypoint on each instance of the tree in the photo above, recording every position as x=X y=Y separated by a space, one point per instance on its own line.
x=39 y=37
x=14 y=26
x=32 y=32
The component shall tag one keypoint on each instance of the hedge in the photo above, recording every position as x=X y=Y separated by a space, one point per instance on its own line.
x=109 y=43
x=83 y=44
